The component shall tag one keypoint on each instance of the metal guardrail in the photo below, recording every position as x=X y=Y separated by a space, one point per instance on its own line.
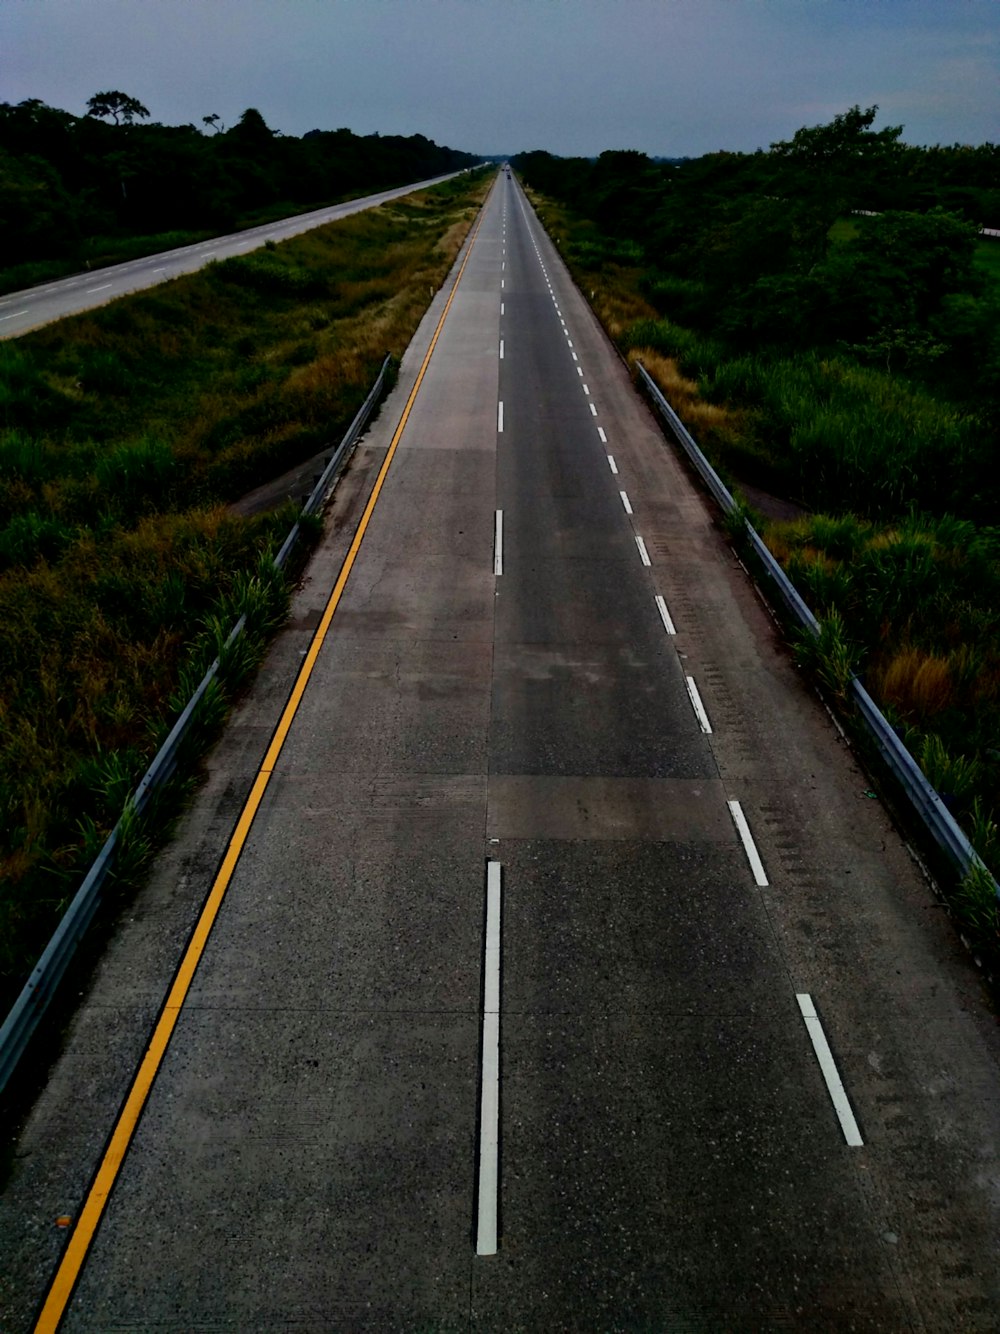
x=926 y=801
x=37 y=993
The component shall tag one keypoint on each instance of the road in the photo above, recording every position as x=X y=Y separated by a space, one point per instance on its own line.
x=563 y=973
x=35 y=306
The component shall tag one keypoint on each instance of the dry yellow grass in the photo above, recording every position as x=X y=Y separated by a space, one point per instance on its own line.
x=618 y=308
x=917 y=683
x=703 y=419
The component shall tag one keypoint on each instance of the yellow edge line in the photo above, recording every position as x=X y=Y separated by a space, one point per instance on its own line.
x=90 y=1215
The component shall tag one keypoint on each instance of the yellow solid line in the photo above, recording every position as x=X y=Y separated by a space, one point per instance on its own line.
x=90 y=1215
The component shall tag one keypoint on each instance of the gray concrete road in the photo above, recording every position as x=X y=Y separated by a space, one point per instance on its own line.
x=587 y=704
x=35 y=306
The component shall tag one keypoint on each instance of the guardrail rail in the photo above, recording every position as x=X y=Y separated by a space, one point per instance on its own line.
x=926 y=802
x=36 y=995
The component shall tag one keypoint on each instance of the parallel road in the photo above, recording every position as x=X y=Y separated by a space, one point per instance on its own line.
x=21 y=311
x=566 y=976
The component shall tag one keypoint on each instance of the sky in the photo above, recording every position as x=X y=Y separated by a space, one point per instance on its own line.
x=575 y=77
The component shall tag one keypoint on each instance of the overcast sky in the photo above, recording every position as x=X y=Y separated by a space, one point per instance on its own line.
x=668 y=77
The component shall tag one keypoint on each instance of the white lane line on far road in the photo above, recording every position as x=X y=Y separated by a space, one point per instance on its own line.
x=500 y=417
x=103 y=288
x=612 y=464
x=501 y=307
x=661 y=607
x=626 y=502
x=498 y=543
x=13 y=315
x=749 y=847
x=593 y=409
x=834 y=1084
x=489 y=1097
x=586 y=390
x=643 y=553
x=600 y=432
x=501 y=349
x=696 y=704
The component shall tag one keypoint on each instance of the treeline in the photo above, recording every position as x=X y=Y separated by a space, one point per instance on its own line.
x=66 y=178
x=769 y=248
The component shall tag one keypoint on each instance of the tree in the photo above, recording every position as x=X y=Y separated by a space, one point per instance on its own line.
x=119 y=106
x=215 y=122
x=251 y=130
x=836 y=166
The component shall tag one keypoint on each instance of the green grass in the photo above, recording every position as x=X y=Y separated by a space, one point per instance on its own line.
x=842 y=231
x=988 y=258
x=124 y=435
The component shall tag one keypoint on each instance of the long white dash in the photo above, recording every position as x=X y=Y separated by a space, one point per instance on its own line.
x=579 y=370
x=593 y=409
x=661 y=607
x=586 y=390
x=489 y=1098
x=626 y=502
x=612 y=464
x=103 y=288
x=500 y=417
x=501 y=307
x=600 y=432
x=643 y=553
x=13 y=315
x=834 y=1083
x=498 y=543
x=501 y=284
x=574 y=356
x=501 y=349
x=696 y=704
x=749 y=847
x=569 y=342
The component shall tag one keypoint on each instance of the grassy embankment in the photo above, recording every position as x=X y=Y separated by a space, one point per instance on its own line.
x=897 y=551
x=124 y=433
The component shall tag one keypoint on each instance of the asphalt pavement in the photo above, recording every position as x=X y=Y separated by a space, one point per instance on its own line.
x=568 y=976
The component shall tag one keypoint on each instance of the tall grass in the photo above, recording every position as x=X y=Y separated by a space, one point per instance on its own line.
x=921 y=599
x=125 y=434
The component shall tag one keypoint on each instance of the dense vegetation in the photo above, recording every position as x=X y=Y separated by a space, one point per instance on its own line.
x=124 y=433
x=845 y=362
x=105 y=187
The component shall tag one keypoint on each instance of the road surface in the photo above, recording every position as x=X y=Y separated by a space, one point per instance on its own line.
x=566 y=975
x=35 y=306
